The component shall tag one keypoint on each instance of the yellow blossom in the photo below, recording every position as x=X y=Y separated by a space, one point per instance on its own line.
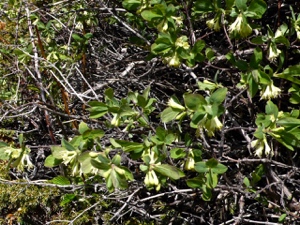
x=174 y=104
x=270 y=91
x=273 y=51
x=240 y=26
x=261 y=146
x=182 y=42
x=211 y=125
x=213 y=24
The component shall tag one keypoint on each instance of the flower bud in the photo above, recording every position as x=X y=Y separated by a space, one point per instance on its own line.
x=175 y=105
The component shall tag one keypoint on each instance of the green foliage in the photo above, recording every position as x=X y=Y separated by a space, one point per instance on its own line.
x=208 y=177
x=281 y=126
x=204 y=112
x=131 y=111
x=38 y=60
x=18 y=157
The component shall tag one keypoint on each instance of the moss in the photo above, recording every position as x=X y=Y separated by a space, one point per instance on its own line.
x=21 y=201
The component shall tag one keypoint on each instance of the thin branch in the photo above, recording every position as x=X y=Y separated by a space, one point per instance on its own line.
x=125 y=204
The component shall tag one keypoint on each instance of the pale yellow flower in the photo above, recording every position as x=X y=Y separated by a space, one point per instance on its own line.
x=190 y=162
x=182 y=42
x=261 y=146
x=273 y=52
x=270 y=91
x=178 y=20
x=213 y=24
x=173 y=60
x=175 y=105
x=211 y=125
x=240 y=26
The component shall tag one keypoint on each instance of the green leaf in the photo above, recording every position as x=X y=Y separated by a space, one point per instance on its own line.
x=259 y=40
x=229 y=4
x=51 y=161
x=295 y=98
x=146 y=93
x=58 y=151
x=206 y=195
x=85 y=162
x=169 y=171
x=219 y=169
x=203 y=6
x=282 y=40
x=218 y=96
x=60 y=180
x=109 y=93
x=289 y=140
x=83 y=127
x=103 y=159
x=271 y=109
x=100 y=106
x=93 y=134
x=98 y=109
x=116 y=160
x=198 y=46
x=127 y=146
x=141 y=101
x=193 y=101
x=281 y=219
x=118 y=180
x=99 y=165
x=256 y=58
x=67 y=198
x=67 y=145
x=3 y=154
x=241 y=65
x=207 y=85
x=196 y=182
x=292 y=71
x=259 y=7
x=144 y=168
x=21 y=139
x=211 y=179
x=127 y=111
x=169 y=114
x=288 y=121
x=201 y=167
x=177 y=153
x=161 y=48
x=212 y=163
x=246 y=181
x=88 y=36
x=257 y=174
x=253 y=87
x=77 y=38
x=131 y=5
x=151 y=14
x=197 y=117
x=241 y=4
x=128 y=173
x=209 y=54
x=169 y=139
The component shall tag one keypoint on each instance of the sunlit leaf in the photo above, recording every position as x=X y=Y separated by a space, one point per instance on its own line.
x=51 y=161
x=169 y=114
x=169 y=171
x=60 y=180
x=193 y=101
x=201 y=167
